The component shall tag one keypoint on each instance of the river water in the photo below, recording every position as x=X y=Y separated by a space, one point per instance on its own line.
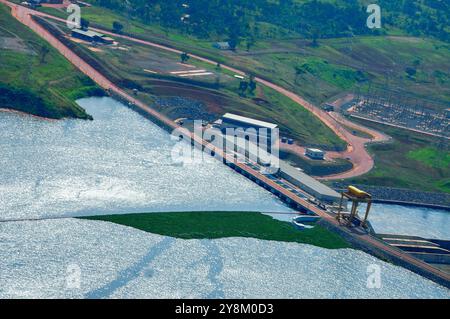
x=120 y=163
x=410 y=220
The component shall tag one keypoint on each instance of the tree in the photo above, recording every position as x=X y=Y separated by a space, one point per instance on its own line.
x=218 y=80
x=299 y=70
x=315 y=34
x=184 y=57
x=410 y=71
x=252 y=84
x=233 y=41
x=84 y=24
x=250 y=43
x=43 y=52
x=243 y=86
x=117 y=27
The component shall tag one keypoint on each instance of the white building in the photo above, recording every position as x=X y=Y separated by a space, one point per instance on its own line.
x=315 y=153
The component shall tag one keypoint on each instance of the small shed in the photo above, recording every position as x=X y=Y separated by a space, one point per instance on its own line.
x=315 y=153
x=222 y=45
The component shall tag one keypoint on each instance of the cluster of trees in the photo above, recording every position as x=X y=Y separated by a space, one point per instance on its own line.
x=247 y=86
x=314 y=19
x=419 y=17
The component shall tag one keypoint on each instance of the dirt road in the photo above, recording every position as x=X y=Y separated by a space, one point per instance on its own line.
x=23 y=15
x=356 y=151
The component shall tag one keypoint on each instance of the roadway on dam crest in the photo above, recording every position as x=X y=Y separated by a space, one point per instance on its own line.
x=356 y=151
x=24 y=16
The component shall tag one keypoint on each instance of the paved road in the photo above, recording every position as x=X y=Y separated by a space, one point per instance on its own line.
x=24 y=15
x=355 y=152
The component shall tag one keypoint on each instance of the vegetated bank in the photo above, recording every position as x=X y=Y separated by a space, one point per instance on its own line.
x=211 y=225
x=314 y=54
x=412 y=160
x=35 y=78
x=127 y=68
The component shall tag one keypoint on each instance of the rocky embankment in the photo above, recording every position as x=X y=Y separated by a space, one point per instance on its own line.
x=402 y=196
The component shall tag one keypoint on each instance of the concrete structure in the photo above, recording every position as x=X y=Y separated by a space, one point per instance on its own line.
x=256 y=130
x=222 y=45
x=91 y=36
x=432 y=251
x=308 y=184
x=365 y=242
x=234 y=120
x=356 y=196
x=315 y=153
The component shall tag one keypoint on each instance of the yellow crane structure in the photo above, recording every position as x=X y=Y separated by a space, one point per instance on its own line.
x=356 y=196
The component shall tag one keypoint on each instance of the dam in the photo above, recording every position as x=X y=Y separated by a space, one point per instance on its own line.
x=123 y=170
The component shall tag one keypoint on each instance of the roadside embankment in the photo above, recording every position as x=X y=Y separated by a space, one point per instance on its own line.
x=392 y=195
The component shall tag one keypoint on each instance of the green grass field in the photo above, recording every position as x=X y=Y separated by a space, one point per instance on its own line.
x=211 y=225
x=431 y=156
x=38 y=83
x=336 y=65
x=129 y=66
x=411 y=161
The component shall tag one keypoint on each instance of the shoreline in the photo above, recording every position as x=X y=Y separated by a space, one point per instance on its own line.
x=25 y=114
x=412 y=204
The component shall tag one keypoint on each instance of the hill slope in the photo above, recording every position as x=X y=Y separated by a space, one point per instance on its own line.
x=35 y=78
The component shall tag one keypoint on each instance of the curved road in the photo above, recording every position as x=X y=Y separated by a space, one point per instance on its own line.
x=23 y=15
x=356 y=151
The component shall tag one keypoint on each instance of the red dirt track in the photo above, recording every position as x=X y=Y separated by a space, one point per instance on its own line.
x=355 y=152
x=24 y=16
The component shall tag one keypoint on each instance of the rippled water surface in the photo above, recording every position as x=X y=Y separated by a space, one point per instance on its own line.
x=411 y=220
x=91 y=259
x=120 y=162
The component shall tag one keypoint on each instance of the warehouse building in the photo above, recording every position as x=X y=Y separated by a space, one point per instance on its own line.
x=230 y=120
x=259 y=131
x=91 y=36
x=308 y=184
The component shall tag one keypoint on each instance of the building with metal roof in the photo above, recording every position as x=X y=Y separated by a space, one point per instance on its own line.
x=315 y=153
x=234 y=120
x=308 y=184
x=91 y=36
x=222 y=45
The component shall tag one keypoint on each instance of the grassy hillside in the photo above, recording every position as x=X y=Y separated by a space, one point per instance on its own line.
x=334 y=66
x=318 y=72
x=35 y=78
x=411 y=161
x=219 y=93
x=211 y=225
